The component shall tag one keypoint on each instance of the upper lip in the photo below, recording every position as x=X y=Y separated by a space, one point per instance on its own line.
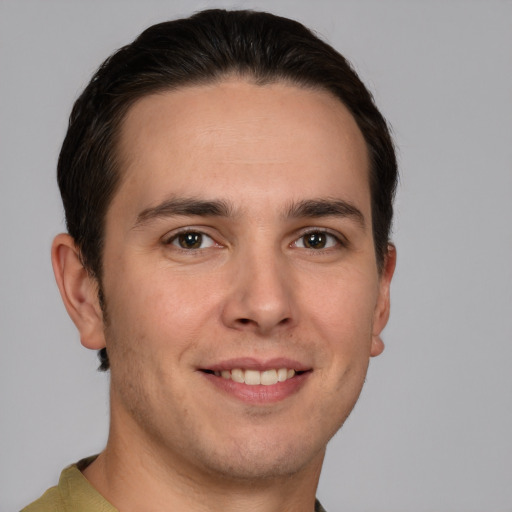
x=249 y=363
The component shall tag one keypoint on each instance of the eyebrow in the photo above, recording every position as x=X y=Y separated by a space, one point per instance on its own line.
x=190 y=207
x=316 y=208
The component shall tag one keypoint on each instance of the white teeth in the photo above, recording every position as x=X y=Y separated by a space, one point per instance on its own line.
x=269 y=377
x=237 y=375
x=254 y=377
x=282 y=374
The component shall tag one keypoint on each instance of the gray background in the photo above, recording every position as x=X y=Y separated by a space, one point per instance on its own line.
x=433 y=430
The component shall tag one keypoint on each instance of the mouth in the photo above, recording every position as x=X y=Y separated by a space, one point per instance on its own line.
x=258 y=382
x=251 y=377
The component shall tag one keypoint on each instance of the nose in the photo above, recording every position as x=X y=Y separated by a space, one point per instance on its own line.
x=261 y=297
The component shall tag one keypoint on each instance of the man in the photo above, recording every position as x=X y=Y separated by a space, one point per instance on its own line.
x=228 y=186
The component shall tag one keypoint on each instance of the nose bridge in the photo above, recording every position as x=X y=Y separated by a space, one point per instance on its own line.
x=261 y=299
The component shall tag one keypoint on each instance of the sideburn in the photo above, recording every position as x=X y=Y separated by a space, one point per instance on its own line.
x=102 y=354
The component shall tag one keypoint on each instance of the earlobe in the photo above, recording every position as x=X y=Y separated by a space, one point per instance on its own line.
x=79 y=291
x=377 y=346
x=382 y=308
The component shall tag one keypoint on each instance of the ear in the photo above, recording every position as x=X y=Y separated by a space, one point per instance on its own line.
x=79 y=291
x=381 y=314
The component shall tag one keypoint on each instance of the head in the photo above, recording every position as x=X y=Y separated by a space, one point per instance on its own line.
x=228 y=189
x=204 y=49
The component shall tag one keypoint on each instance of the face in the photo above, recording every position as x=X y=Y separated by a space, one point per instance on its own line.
x=240 y=279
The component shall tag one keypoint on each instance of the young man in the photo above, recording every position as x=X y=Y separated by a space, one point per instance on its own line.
x=228 y=187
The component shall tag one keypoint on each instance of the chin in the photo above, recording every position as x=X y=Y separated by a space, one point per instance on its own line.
x=260 y=458
x=260 y=467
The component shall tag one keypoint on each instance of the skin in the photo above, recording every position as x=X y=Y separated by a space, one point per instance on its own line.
x=253 y=289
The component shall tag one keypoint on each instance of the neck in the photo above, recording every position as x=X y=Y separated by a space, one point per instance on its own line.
x=134 y=473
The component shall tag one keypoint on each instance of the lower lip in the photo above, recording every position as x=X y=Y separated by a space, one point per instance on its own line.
x=259 y=394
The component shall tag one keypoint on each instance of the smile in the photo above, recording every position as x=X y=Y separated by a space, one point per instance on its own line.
x=258 y=383
x=255 y=377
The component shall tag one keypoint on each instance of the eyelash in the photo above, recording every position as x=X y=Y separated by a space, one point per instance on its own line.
x=338 y=240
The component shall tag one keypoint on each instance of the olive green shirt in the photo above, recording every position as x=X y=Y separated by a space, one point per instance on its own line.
x=74 y=493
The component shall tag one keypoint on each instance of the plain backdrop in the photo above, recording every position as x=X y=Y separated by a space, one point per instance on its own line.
x=433 y=428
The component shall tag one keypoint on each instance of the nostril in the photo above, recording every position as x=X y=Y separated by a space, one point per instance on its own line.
x=248 y=321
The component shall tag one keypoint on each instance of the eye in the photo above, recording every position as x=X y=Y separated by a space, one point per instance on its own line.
x=191 y=240
x=317 y=240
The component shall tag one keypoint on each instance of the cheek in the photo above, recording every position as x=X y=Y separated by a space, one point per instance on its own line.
x=341 y=323
x=345 y=321
x=158 y=308
x=343 y=314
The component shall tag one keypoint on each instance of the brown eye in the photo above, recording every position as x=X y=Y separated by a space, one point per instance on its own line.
x=192 y=240
x=315 y=240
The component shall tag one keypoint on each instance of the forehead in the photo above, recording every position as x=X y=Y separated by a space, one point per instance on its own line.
x=232 y=134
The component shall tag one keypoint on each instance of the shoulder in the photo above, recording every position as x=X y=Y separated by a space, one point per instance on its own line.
x=318 y=507
x=72 y=494
x=50 y=501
